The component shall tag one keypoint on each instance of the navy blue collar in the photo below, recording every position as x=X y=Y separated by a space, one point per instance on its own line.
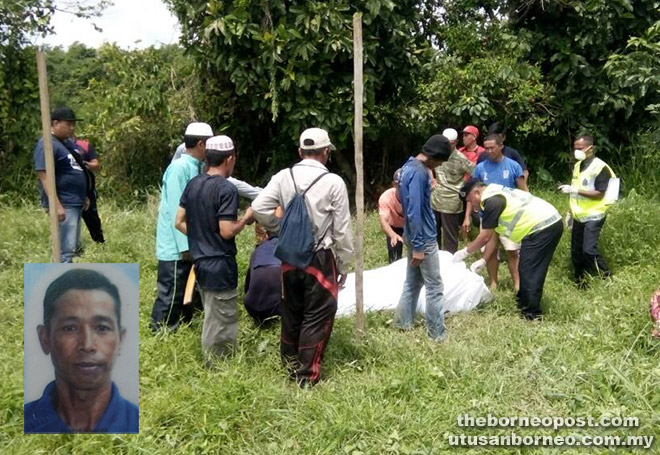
x=120 y=416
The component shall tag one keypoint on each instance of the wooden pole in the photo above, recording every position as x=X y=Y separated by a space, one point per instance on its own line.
x=48 y=154
x=360 y=329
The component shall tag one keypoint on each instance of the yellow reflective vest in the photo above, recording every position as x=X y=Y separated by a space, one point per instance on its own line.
x=523 y=215
x=583 y=208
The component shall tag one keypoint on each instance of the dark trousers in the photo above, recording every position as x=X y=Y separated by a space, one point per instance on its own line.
x=308 y=314
x=536 y=252
x=92 y=220
x=584 y=249
x=394 y=253
x=169 y=309
x=451 y=225
x=438 y=228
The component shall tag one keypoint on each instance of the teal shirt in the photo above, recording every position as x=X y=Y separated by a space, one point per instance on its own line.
x=170 y=242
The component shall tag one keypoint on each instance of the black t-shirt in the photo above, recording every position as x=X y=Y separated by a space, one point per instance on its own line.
x=602 y=179
x=493 y=208
x=510 y=153
x=208 y=199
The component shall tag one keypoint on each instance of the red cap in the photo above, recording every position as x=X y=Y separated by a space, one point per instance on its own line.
x=473 y=130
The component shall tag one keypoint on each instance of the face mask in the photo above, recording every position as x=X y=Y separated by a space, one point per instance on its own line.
x=579 y=155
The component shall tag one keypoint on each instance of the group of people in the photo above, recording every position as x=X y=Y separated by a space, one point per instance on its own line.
x=437 y=194
x=488 y=186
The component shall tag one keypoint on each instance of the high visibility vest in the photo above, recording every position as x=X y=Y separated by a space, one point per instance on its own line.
x=583 y=208
x=523 y=215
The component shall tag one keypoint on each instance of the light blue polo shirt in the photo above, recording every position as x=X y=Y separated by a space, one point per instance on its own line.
x=170 y=242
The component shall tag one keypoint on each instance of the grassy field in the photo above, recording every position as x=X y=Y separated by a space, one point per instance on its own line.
x=396 y=393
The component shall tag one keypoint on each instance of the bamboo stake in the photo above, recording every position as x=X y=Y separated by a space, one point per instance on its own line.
x=360 y=329
x=48 y=153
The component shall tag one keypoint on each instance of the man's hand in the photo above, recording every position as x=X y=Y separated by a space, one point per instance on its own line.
x=341 y=280
x=417 y=258
x=478 y=266
x=466 y=224
x=568 y=189
x=185 y=256
x=460 y=255
x=248 y=216
x=61 y=213
x=568 y=220
x=87 y=204
x=395 y=240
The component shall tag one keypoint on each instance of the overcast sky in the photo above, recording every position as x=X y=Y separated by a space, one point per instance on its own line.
x=128 y=23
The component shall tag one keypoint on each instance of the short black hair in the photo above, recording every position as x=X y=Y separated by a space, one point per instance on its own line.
x=497 y=128
x=83 y=279
x=313 y=152
x=191 y=141
x=217 y=157
x=497 y=137
x=586 y=138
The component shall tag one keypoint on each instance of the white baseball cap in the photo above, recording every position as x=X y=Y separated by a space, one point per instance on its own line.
x=451 y=134
x=315 y=138
x=199 y=129
x=220 y=143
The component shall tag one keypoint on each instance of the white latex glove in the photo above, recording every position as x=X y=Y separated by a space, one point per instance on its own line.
x=478 y=266
x=568 y=189
x=568 y=220
x=460 y=255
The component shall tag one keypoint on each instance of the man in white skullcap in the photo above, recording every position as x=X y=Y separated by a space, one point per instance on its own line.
x=171 y=245
x=208 y=215
x=446 y=204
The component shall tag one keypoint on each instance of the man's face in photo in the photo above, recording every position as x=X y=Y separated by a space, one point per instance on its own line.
x=83 y=338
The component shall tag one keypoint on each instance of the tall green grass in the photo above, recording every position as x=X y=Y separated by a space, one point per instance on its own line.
x=396 y=393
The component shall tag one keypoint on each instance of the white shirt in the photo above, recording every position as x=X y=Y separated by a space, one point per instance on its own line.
x=327 y=205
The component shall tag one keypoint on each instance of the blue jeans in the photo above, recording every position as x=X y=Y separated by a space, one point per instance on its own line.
x=70 y=233
x=426 y=274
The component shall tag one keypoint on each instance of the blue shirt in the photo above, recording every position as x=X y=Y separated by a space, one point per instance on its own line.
x=170 y=242
x=70 y=179
x=121 y=416
x=503 y=173
x=415 y=192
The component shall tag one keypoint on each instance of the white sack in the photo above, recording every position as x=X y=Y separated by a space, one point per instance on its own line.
x=463 y=289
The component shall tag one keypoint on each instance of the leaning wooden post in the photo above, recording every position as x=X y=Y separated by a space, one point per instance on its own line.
x=48 y=154
x=360 y=329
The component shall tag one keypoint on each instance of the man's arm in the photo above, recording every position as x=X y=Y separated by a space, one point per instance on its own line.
x=387 y=229
x=263 y=207
x=245 y=189
x=61 y=213
x=482 y=239
x=175 y=185
x=521 y=183
x=342 y=233
x=230 y=228
x=413 y=209
x=93 y=165
x=180 y=222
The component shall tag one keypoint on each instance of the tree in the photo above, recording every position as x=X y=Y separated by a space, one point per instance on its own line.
x=272 y=68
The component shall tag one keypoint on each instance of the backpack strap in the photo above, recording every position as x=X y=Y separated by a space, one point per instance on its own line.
x=315 y=180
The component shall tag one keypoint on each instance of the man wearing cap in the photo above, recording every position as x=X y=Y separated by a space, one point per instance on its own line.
x=470 y=148
x=588 y=208
x=498 y=169
x=310 y=295
x=171 y=245
x=390 y=215
x=447 y=206
x=208 y=215
x=524 y=219
x=71 y=180
x=423 y=267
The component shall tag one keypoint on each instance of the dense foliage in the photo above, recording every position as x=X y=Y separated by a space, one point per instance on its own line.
x=263 y=71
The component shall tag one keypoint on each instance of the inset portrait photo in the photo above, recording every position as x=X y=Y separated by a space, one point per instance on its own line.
x=81 y=348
